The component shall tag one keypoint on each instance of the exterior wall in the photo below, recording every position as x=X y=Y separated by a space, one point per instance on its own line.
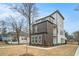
x=50 y=28
x=50 y=33
x=60 y=26
x=44 y=37
x=40 y=28
x=4 y=38
x=22 y=39
x=55 y=41
x=47 y=39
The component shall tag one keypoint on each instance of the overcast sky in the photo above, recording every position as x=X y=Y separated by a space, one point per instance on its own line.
x=71 y=22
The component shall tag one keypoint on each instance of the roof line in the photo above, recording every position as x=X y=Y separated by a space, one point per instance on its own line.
x=58 y=12
x=50 y=15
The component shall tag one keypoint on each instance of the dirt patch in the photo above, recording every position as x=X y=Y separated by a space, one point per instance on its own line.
x=66 y=50
x=22 y=50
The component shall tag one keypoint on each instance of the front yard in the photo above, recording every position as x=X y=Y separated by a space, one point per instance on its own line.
x=63 y=50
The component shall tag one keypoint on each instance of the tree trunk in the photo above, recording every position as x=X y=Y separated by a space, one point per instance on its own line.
x=18 y=40
x=29 y=31
x=17 y=34
x=29 y=18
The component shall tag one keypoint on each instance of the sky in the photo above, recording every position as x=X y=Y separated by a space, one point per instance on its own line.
x=71 y=21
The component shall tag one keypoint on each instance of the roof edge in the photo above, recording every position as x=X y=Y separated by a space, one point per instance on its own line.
x=50 y=15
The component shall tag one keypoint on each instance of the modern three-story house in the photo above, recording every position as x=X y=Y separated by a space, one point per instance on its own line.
x=49 y=30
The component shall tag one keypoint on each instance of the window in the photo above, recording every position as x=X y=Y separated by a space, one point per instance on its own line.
x=40 y=39
x=33 y=39
x=14 y=40
x=23 y=38
x=36 y=39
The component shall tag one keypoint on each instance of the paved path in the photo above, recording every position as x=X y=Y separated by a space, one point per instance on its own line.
x=77 y=52
x=6 y=46
x=46 y=48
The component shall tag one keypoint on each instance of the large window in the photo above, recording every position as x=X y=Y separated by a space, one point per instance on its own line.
x=35 y=39
x=40 y=39
x=32 y=39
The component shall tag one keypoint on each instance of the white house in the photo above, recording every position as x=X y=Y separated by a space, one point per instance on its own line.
x=12 y=39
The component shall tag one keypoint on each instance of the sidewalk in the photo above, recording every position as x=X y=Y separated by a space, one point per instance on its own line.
x=47 y=47
x=77 y=52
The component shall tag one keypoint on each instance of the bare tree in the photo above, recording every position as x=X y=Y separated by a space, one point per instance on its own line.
x=68 y=36
x=3 y=28
x=17 y=25
x=29 y=11
x=76 y=36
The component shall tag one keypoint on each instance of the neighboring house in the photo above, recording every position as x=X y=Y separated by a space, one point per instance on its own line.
x=12 y=39
x=48 y=31
x=0 y=37
x=3 y=37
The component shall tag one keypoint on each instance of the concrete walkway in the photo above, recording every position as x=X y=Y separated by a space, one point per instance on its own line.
x=6 y=46
x=46 y=48
x=77 y=52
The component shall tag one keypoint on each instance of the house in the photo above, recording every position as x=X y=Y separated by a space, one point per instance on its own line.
x=3 y=37
x=0 y=37
x=12 y=39
x=49 y=30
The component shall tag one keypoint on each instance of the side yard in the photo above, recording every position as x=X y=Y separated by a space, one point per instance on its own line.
x=63 y=50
